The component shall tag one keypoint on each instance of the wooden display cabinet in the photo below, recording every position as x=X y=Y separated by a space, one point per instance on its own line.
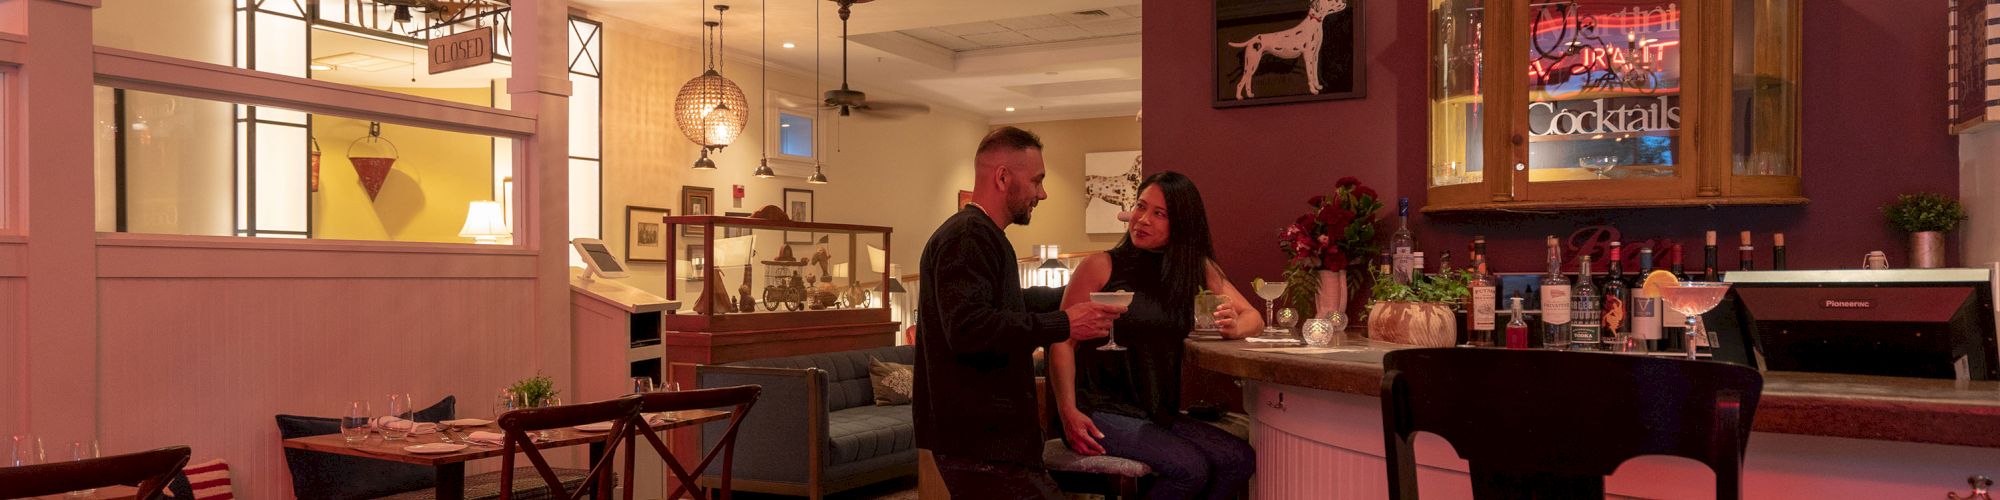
x=1613 y=104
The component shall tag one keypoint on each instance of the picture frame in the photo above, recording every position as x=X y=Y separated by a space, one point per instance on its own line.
x=798 y=205
x=696 y=200
x=734 y=232
x=1248 y=74
x=964 y=197
x=697 y=261
x=645 y=235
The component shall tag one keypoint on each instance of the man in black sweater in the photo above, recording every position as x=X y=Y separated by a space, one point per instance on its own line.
x=975 y=373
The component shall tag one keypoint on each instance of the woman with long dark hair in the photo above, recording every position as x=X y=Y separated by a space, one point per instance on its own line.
x=1127 y=403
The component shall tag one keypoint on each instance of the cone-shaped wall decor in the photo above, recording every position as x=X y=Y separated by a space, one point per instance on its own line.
x=378 y=155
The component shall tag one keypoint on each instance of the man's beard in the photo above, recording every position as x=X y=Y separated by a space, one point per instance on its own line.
x=1022 y=211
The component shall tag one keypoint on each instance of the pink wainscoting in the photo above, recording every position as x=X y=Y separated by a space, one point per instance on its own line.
x=13 y=364
x=208 y=362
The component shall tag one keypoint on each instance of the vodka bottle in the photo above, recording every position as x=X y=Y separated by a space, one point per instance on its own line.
x=1585 y=322
x=1402 y=246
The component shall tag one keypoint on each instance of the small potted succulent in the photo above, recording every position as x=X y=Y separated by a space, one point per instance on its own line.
x=1926 y=216
x=1419 y=313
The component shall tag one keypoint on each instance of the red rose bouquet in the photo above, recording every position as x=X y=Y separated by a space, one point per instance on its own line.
x=1337 y=235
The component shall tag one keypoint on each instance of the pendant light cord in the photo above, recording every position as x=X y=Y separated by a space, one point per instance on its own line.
x=764 y=68
x=818 y=152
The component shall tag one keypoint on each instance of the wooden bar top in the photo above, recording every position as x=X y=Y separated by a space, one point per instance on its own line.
x=1815 y=404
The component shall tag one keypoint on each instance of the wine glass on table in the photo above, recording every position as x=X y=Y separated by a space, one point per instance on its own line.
x=1270 y=291
x=1693 y=298
x=1120 y=299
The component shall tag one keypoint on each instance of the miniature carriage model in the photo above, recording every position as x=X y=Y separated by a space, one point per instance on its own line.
x=783 y=283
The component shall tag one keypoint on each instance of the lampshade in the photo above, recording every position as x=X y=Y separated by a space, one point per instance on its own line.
x=818 y=176
x=711 y=110
x=764 y=169
x=704 y=163
x=895 y=280
x=485 y=223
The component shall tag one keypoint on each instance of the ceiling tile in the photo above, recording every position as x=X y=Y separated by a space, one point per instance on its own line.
x=957 y=44
x=1092 y=16
x=1031 y=22
x=1057 y=34
x=978 y=28
x=1126 y=26
x=1005 y=39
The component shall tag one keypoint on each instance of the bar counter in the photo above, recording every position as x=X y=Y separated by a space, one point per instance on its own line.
x=1317 y=427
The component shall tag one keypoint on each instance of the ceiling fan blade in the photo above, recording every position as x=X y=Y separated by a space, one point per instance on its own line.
x=893 y=109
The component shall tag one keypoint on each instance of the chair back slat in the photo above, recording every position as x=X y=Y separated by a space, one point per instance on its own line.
x=1561 y=421
x=518 y=425
x=738 y=399
x=149 y=470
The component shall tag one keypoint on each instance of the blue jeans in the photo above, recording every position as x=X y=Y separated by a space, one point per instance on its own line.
x=1190 y=459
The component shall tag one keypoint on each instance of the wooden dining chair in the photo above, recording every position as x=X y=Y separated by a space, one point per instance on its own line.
x=519 y=424
x=1547 y=424
x=738 y=399
x=149 y=470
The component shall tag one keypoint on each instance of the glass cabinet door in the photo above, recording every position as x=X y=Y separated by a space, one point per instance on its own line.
x=1457 y=107
x=1604 y=90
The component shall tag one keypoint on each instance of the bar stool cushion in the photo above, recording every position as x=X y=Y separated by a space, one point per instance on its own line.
x=1058 y=457
x=528 y=485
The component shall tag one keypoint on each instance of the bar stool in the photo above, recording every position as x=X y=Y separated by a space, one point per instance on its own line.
x=1546 y=424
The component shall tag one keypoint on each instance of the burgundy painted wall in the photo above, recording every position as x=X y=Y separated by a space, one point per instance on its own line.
x=1873 y=128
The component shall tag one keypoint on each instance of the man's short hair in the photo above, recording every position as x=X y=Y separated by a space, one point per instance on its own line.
x=1009 y=138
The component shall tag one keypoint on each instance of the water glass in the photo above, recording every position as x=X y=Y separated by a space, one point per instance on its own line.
x=399 y=408
x=671 y=386
x=1204 y=311
x=642 y=385
x=24 y=450
x=82 y=450
x=354 y=422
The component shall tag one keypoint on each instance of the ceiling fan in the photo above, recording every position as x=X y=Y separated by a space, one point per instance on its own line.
x=847 y=99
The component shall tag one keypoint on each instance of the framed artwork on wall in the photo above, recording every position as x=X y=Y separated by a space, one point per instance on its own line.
x=1282 y=51
x=1110 y=186
x=799 y=207
x=644 y=239
x=733 y=232
x=696 y=200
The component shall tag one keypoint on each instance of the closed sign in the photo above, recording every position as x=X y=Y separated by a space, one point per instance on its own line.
x=463 y=50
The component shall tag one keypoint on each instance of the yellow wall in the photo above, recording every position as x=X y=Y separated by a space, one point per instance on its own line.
x=425 y=197
x=1059 y=219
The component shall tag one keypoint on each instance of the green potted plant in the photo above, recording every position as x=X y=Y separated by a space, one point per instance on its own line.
x=1418 y=313
x=534 y=392
x=1926 y=216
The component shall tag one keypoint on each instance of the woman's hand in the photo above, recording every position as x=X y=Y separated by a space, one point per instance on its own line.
x=1082 y=433
x=1225 y=317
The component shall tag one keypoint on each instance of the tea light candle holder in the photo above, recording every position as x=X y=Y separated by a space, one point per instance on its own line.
x=1320 y=332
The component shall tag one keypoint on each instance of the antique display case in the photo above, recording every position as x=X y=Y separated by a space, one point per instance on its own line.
x=1578 y=104
x=754 y=273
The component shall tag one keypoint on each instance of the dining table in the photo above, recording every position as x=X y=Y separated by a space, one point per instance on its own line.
x=451 y=466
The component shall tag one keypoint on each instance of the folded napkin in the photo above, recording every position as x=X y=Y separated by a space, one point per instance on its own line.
x=1271 y=341
x=487 y=437
x=399 y=424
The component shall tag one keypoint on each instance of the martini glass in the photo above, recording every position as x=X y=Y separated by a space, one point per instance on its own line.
x=1270 y=291
x=1120 y=299
x=1692 y=298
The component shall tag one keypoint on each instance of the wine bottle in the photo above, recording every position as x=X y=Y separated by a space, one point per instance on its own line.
x=1778 y=251
x=1674 y=262
x=1708 y=258
x=1416 y=268
x=1585 y=321
x=1615 y=300
x=1645 y=308
x=1402 y=246
x=1555 y=301
x=1745 y=253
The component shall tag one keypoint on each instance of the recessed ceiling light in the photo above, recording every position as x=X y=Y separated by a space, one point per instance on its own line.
x=1010 y=109
x=784 y=125
x=790 y=45
x=322 y=67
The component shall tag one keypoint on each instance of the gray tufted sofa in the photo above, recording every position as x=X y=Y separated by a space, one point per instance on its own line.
x=816 y=429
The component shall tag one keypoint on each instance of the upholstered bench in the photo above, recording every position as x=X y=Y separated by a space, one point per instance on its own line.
x=816 y=430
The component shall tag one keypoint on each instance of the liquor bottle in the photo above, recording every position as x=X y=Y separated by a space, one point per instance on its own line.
x=1745 y=252
x=1616 y=301
x=1385 y=262
x=1416 y=268
x=1585 y=319
x=1402 y=246
x=1674 y=262
x=1555 y=301
x=1479 y=247
x=1480 y=311
x=1645 y=308
x=1670 y=320
x=1444 y=263
x=1517 y=329
x=1708 y=269
x=1778 y=251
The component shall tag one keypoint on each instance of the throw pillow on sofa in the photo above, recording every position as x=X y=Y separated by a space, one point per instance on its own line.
x=892 y=382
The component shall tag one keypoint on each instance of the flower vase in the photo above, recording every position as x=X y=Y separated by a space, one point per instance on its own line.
x=1927 y=250
x=1332 y=295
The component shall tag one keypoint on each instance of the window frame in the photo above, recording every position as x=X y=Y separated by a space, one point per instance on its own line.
x=776 y=103
x=12 y=51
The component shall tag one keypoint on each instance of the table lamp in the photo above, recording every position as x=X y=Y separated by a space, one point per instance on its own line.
x=486 y=224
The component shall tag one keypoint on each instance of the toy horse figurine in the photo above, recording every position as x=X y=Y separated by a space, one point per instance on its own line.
x=822 y=259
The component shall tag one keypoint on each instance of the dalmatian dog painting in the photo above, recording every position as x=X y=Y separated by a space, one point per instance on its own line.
x=1110 y=187
x=1271 y=51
